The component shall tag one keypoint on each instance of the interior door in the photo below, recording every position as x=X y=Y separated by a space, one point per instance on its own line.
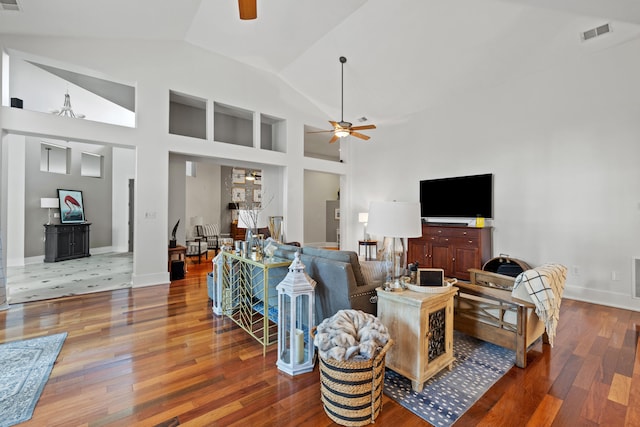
x=130 y=223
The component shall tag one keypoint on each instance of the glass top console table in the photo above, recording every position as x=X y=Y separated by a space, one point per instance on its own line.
x=249 y=295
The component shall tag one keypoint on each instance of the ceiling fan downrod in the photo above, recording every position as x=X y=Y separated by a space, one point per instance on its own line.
x=342 y=61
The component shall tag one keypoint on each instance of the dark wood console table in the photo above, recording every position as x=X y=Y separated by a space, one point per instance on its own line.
x=66 y=241
x=456 y=249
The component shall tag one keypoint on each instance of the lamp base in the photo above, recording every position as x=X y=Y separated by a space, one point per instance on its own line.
x=173 y=243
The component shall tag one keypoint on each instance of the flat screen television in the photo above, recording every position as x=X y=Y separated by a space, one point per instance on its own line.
x=457 y=197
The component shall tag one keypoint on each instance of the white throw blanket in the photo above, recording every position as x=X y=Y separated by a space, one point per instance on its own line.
x=545 y=285
x=350 y=335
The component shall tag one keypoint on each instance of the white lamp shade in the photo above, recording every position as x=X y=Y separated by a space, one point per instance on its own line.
x=49 y=202
x=197 y=220
x=363 y=217
x=395 y=219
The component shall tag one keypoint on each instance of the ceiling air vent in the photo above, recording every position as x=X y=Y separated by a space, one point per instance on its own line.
x=10 y=5
x=596 y=32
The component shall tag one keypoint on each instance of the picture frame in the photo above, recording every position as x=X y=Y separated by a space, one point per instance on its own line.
x=257 y=195
x=71 y=206
x=238 y=176
x=238 y=194
x=336 y=214
x=430 y=277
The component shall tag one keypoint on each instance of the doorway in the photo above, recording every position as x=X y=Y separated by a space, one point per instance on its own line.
x=321 y=207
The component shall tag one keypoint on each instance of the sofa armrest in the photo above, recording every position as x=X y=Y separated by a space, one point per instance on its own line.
x=365 y=298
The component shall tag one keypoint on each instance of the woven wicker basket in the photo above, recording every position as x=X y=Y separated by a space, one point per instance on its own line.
x=352 y=390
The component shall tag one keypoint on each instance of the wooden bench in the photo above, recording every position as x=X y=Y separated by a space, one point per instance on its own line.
x=485 y=309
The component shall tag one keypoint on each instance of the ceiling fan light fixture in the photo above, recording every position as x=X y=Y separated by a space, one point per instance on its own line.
x=342 y=133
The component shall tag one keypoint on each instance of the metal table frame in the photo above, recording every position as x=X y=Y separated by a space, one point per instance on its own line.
x=245 y=295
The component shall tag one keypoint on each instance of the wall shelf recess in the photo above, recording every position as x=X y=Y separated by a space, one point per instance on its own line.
x=272 y=133
x=232 y=125
x=316 y=145
x=187 y=115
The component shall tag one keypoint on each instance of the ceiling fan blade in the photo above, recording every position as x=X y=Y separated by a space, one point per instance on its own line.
x=359 y=135
x=334 y=139
x=363 y=127
x=321 y=131
x=334 y=124
x=248 y=9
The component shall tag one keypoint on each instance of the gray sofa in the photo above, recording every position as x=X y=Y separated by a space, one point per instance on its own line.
x=340 y=283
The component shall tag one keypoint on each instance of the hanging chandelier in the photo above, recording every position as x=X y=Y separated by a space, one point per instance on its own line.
x=66 y=109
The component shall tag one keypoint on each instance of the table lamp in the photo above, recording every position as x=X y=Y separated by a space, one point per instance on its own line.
x=49 y=203
x=398 y=220
x=363 y=217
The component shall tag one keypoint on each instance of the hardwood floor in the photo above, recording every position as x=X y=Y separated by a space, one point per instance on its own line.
x=159 y=356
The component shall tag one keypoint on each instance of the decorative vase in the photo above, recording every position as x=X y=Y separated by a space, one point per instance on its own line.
x=275 y=228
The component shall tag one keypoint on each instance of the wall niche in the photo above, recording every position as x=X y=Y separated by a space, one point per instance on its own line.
x=187 y=115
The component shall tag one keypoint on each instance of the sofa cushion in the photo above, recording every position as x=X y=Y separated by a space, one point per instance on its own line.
x=374 y=272
x=331 y=291
x=343 y=256
x=286 y=251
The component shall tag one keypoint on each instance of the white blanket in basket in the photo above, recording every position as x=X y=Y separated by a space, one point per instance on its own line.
x=350 y=335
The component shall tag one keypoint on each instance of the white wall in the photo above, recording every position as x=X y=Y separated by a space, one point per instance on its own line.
x=203 y=195
x=49 y=93
x=16 y=156
x=563 y=147
x=157 y=68
x=124 y=167
x=177 y=204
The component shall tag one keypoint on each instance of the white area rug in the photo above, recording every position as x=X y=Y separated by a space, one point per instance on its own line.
x=47 y=280
x=26 y=366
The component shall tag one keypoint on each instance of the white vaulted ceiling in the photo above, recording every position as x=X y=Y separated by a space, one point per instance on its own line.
x=403 y=56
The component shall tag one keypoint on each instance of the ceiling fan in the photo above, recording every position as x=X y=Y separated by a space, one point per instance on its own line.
x=248 y=9
x=343 y=129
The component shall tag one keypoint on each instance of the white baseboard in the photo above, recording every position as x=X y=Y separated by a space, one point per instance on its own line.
x=38 y=259
x=19 y=262
x=143 y=280
x=601 y=297
x=102 y=250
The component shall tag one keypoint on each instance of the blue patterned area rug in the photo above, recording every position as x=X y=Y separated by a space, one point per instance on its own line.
x=448 y=394
x=26 y=366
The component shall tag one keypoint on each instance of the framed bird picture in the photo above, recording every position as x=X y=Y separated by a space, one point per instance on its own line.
x=71 y=206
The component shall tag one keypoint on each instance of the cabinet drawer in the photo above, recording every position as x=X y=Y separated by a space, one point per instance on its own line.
x=62 y=229
x=465 y=242
x=430 y=232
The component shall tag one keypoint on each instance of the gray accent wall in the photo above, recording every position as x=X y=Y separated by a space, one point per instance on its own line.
x=96 y=193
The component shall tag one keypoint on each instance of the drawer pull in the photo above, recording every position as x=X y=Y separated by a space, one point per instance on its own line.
x=470 y=241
